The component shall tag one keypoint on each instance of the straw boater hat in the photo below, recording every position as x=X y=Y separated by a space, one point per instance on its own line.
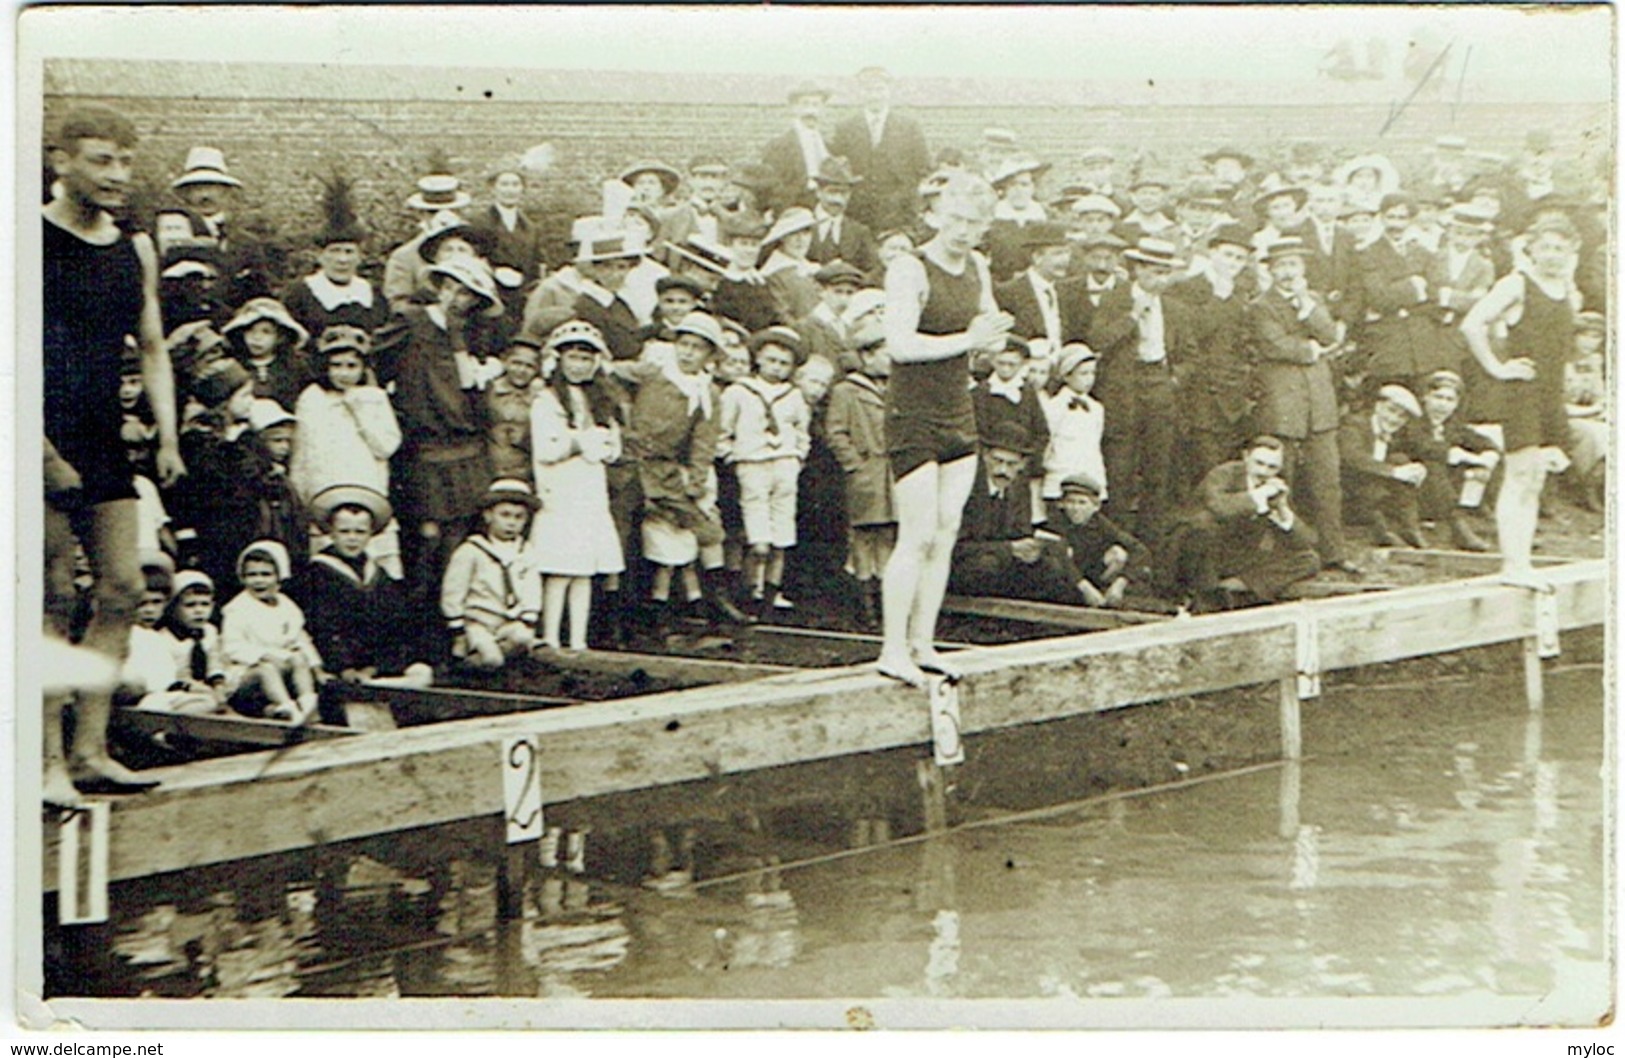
x=998 y=137
x=257 y=309
x=1096 y=204
x=343 y=337
x=445 y=224
x=707 y=165
x=1011 y=168
x=1097 y=156
x=792 y=220
x=205 y=165
x=1154 y=251
x=702 y=324
x=1207 y=193
x=669 y=177
x=698 y=250
x=474 y=274
x=577 y=332
x=1395 y=394
x=1467 y=215
x=1241 y=156
x=836 y=171
x=601 y=239
x=439 y=192
x=330 y=500
x=1299 y=196
x=509 y=490
x=1288 y=246
x=807 y=89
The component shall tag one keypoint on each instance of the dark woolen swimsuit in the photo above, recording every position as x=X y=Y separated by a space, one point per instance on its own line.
x=930 y=416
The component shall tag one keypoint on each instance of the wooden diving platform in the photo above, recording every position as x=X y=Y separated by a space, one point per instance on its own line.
x=344 y=788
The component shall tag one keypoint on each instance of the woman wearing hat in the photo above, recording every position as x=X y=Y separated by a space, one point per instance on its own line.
x=939 y=311
x=265 y=339
x=785 y=266
x=425 y=352
x=575 y=429
x=1521 y=335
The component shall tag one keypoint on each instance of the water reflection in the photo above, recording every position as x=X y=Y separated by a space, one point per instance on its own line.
x=1455 y=850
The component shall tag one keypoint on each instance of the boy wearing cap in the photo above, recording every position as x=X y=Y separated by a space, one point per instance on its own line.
x=837 y=236
x=1295 y=337
x=1459 y=460
x=887 y=151
x=855 y=428
x=1143 y=339
x=1381 y=479
x=824 y=331
x=1106 y=559
x=491 y=596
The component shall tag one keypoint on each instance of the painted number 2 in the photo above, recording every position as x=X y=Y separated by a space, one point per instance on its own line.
x=522 y=788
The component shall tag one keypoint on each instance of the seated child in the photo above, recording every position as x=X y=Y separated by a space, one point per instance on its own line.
x=1381 y=480
x=491 y=593
x=1108 y=560
x=764 y=433
x=355 y=611
x=148 y=669
x=199 y=677
x=265 y=641
x=1459 y=460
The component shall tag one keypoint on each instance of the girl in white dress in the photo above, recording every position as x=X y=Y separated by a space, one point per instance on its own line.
x=575 y=430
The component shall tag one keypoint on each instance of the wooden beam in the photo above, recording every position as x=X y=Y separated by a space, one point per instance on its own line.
x=1080 y=618
x=1459 y=563
x=436 y=704
x=847 y=637
x=683 y=671
x=1330 y=589
x=236 y=730
x=335 y=790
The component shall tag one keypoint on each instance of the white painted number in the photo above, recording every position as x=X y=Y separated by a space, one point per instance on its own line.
x=522 y=788
x=945 y=740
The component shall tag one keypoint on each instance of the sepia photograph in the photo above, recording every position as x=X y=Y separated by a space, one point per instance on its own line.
x=852 y=517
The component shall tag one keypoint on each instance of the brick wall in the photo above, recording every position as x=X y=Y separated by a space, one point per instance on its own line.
x=278 y=145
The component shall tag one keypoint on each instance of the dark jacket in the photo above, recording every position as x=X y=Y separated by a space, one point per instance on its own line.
x=1296 y=394
x=891 y=170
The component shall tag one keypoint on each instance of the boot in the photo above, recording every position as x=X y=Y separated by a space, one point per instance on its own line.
x=868 y=598
x=717 y=604
x=1461 y=532
x=1410 y=531
x=1382 y=534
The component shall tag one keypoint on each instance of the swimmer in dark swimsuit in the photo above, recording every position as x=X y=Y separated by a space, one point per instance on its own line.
x=939 y=310
x=100 y=285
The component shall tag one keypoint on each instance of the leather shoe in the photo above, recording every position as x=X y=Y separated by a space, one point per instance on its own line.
x=1346 y=565
x=1465 y=537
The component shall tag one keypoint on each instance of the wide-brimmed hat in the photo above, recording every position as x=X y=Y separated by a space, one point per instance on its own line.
x=1239 y=155
x=1010 y=168
x=1387 y=175
x=1286 y=246
x=702 y=324
x=1096 y=204
x=438 y=192
x=256 y=309
x=1154 y=251
x=778 y=334
x=838 y=271
x=576 y=332
x=1397 y=394
x=1043 y=233
x=1073 y=354
x=1009 y=435
x=698 y=250
x=601 y=239
x=792 y=220
x=1299 y=196
x=205 y=165
x=805 y=89
x=218 y=380
x=669 y=177
x=326 y=502
x=444 y=225
x=275 y=551
x=343 y=337
x=474 y=274
x=1234 y=234
x=1103 y=240
x=509 y=490
x=267 y=413
x=836 y=170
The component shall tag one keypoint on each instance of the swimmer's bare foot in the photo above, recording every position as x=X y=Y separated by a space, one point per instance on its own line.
x=56 y=787
x=1525 y=577
x=927 y=658
x=104 y=775
x=902 y=669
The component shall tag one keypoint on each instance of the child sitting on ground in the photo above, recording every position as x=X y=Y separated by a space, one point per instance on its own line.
x=263 y=633
x=764 y=433
x=490 y=596
x=148 y=668
x=199 y=678
x=1108 y=560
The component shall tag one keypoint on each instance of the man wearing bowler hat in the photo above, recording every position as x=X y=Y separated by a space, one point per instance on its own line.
x=707 y=178
x=839 y=236
x=887 y=152
x=797 y=153
x=1048 y=309
x=405 y=270
x=1144 y=340
x=1294 y=337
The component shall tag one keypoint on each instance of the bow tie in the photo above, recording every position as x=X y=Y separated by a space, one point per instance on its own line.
x=1077 y=404
x=1010 y=391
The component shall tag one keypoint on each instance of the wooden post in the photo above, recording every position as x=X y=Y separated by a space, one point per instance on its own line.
x=522 y=823
x=1291 y=794
x=933 y=795
x=1291 y=719
x=1534 y=686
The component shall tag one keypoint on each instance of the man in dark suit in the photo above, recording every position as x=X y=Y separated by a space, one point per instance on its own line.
x=1047 y=308
x=604 y=257
x=1294 y=336
x=837 y=236
x=1242 y=533
x=997 y=552
x=1394 y=291
x=1329 y=267
x=1143 y=340
x=887 y=151
x=1382 y=480
x=799 y=151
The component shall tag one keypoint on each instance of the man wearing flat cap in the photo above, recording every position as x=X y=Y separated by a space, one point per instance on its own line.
x=798 y=152
x=887 y=152
x=1382 y=479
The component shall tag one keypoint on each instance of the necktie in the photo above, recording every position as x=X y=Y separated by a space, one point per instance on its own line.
x=200 y=657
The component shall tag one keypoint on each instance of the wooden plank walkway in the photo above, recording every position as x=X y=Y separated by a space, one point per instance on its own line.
x=331 y=791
